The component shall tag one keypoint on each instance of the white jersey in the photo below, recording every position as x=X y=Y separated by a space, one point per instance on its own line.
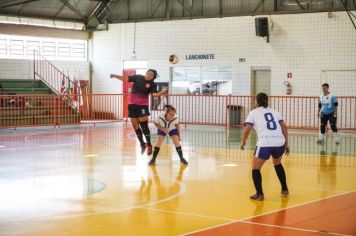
x=170 y=125
x=266 y=123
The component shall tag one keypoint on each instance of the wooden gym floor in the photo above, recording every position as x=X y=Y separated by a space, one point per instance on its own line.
x=92 y=180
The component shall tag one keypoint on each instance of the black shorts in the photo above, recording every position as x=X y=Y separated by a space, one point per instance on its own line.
x=329 y=117
x=136 y=111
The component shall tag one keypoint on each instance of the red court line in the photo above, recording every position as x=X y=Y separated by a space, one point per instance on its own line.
x=335 y=215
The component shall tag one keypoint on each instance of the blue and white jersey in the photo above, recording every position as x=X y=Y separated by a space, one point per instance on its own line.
x=266 y=123
x=328 y=103
x=170 y=125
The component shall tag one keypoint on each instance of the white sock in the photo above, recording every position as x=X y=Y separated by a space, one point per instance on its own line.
x=321 y=136
x=336 y=135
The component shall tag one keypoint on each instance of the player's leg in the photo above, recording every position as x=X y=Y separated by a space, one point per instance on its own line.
x=332 y=120
x=138 y=131
x=278 y=167
x=159 y=141
x=143 y=121
x=323 y=123
x=261 y=155
x=175 y=139
x=134 y=113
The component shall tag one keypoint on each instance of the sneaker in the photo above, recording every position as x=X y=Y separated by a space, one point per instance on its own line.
x=149 y=149
x=183 y=161
x=152 y=162
x=337 y=141
x=257 y=197
x=143 y=148
x=285 y=193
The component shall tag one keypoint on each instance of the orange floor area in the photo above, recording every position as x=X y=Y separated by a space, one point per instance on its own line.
x=334 y=216
x=89 y=181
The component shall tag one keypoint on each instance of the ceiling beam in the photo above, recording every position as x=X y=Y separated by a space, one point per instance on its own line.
x=299 y=4
x=275 y=5
x=167 y=9
x=128 y=9
x=349 y=11
x=22 y=8
x=18 y=3
x=32 y=16
x=60 y=10
x=218 y=16
x=259 y=5
x=191 y=7
x=95 y=9
x=154 y=11
x=185 y=8
x=71 y=7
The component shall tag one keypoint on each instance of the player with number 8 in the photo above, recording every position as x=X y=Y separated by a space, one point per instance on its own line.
x=272 y=141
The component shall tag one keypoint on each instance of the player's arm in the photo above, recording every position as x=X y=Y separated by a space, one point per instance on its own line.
x=319 y=108
x=158 y=126
x=245 y=134
x=285 y=134
x=123 y=78
x=160 y=93
x=336 y=104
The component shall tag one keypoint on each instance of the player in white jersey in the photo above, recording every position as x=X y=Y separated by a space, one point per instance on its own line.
x=272 y=141
x=167 y=123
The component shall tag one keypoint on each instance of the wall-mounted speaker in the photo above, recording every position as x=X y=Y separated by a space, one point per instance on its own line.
x=261 y=24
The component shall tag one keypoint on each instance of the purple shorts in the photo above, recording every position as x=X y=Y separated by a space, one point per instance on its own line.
x=171 y=133
x=266 y=152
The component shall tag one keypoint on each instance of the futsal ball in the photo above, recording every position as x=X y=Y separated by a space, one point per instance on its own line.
x=173 y=59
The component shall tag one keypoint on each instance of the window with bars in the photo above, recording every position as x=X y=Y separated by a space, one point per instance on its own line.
x=16 y=48
x=78 y=50
x=48 y=49
x=33 y=45
x=22 y=47
x=64 y=49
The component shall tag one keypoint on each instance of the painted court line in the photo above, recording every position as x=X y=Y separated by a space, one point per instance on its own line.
x=181 y=191
x=267 y=213
x=301 y=204
x=188 y=214
x=292 y=228
x=277 y=184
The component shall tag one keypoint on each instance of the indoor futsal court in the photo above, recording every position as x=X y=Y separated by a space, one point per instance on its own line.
x=177 y=117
